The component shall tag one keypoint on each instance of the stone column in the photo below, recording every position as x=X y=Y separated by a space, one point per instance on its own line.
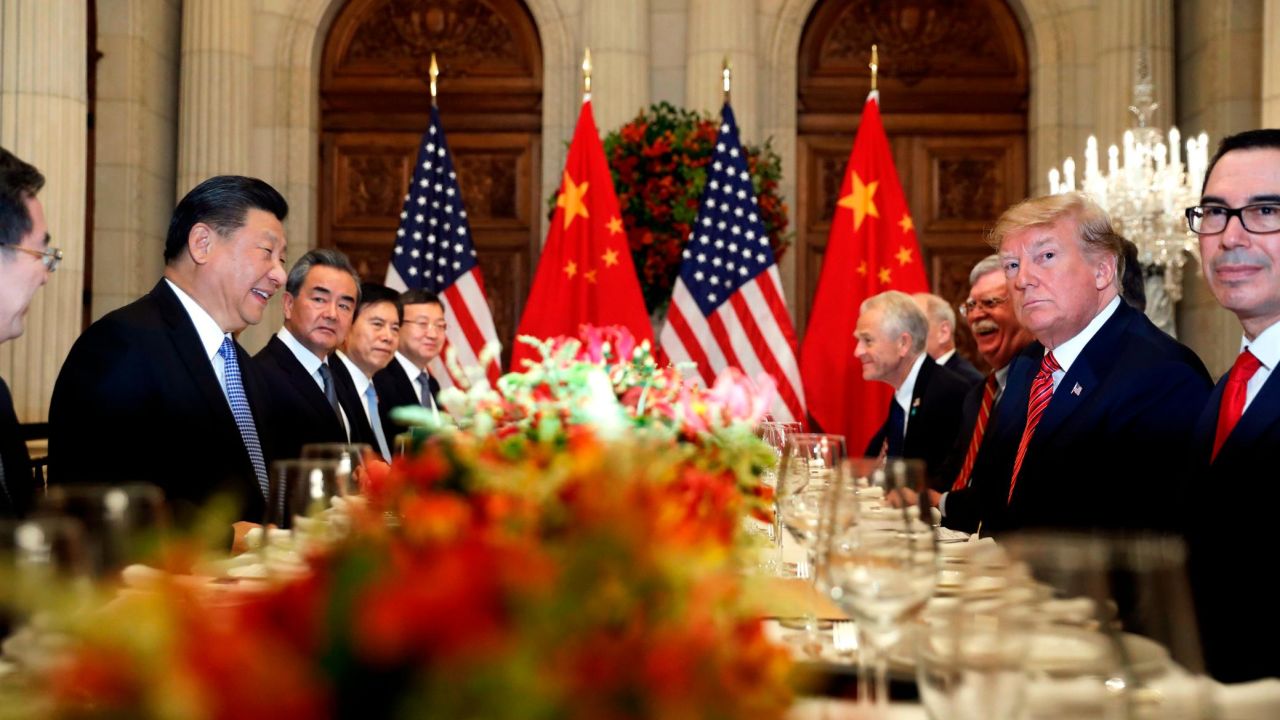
x=216 y=97
x=716 y=29
x=617 y=31
x=136 y=121
x=1127 y=30
x=1271 y=64
x=44 y=120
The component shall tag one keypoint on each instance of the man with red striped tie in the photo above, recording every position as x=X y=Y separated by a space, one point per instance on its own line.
x=1237 y=445
x=1095 y=408
x=999 y=337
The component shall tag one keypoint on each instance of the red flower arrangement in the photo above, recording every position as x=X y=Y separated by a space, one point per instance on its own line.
x=658 y=161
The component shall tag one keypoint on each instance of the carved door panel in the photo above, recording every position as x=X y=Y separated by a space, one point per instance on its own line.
x=953 y=88
x=365 y=177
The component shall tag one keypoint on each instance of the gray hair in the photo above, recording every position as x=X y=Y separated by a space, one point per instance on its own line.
x=986 y=266
x=937 y=309
x=320 y=257
x=900 y=315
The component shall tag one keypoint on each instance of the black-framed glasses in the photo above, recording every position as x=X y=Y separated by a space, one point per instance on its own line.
x=1260 y=218
x=988 y=303
x=49 y=256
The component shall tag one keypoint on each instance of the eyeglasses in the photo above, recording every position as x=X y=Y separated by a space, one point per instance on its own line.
x=1260 y=218
x=989 y=303
x=50 y=256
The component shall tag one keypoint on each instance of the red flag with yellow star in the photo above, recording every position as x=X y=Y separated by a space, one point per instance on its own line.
x=872 y=248
x=585 y=274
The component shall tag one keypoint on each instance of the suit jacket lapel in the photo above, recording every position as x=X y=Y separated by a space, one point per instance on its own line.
x=1207 y=425
x=187 y=346
x=1257 y=418
x=917 y=413
x=300 y=378
x=1082 y=380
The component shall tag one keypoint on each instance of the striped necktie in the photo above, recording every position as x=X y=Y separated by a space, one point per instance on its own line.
x=1041 y=394
x=241 y=411
x=979 y=430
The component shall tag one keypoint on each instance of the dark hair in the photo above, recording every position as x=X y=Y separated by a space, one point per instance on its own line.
x=320 y=257
x=19 y=182
x=420 y=297
x=221 y=202
x=373 y=293
x=1133 y=282
x=1247 y=140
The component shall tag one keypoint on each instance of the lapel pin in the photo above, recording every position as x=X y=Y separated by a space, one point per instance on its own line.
x=915 y=403
x=1076 y=390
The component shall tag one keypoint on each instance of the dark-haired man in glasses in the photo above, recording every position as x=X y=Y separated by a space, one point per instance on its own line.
x=1237 y=452
x=26 y=261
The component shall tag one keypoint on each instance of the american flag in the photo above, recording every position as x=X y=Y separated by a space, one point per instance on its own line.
x=727 y=308
x=434 y=251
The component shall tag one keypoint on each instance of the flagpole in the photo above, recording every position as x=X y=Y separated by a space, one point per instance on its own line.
x=586 y=75
x=434 y=71
x=875 y=70
x=726 y=72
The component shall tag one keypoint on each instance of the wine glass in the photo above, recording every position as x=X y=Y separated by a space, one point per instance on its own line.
x=351 y=461
x=44 y=563
x=880 y=561
x=123 y=524
x=974 y=639
x=305 y=508
x=774 y=434
x=1118 y=636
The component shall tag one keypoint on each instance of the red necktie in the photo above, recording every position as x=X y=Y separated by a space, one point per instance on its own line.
x=979 y=429
x=1041 y=394
x=1233 y=395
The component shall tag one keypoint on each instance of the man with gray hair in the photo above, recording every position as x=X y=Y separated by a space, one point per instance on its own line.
x=1094 y=409
x=924 y=414
x=941 y=343
x=314 y=400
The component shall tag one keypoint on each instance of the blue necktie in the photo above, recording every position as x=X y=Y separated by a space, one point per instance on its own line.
x=894 y=438
x=371 y=399
x=241 y=411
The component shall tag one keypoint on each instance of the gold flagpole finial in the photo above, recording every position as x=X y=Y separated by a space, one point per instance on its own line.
x=586 y=75
x=726 y=73
x=435 y=73
x=875 y=66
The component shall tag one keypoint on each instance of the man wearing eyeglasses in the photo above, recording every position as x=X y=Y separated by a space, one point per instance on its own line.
x=1237 y=447
x=406 y=380
x=26 y=261
x=1092 y=410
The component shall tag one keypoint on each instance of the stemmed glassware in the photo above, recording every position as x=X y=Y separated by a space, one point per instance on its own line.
x=304 y=509
x=880 y=560
x=774 y=433
x=122 y=524
x=809 y=464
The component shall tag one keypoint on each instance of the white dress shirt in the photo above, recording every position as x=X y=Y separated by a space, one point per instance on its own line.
x=413 y=371
x=902 y=395
x=207 y=329
x=1067 y=352
x=944 y=357
x=1265 y=347
x=311 y=363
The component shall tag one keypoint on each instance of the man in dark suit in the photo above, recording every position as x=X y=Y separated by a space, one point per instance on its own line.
x=1000 y=337
x=370 y=347
x=924 y=413
x=1233 y=492
x=159 y=391
x=312 y=396
x=26 y=261
x=941 y=344
x=406 y=380
x=1094 y=410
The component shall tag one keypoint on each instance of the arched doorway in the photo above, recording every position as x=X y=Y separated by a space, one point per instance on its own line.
x=953 y=94
x=374 y=105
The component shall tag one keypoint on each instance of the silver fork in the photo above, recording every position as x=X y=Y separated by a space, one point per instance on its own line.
x=844 y=638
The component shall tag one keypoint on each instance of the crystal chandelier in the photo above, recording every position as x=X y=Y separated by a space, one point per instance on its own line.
x=1147 y=185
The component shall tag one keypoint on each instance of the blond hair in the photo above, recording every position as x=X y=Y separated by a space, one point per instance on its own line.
x=1097 y=234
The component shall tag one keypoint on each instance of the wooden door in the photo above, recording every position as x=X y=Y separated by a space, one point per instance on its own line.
x=375 y=104
x=953 y=95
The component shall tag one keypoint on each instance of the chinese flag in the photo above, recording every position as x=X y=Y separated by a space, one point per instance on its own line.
x=872 y=248
x=585 y=274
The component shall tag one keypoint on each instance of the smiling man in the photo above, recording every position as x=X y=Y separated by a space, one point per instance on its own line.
x=1094 y=406
x=407 y=381
x=1237 y=447
x=312 y=396
x=159 y=391
x=370 y=347
x=26 y=261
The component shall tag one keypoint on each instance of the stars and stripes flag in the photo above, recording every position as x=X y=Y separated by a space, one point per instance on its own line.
x=434 y=251
x=871 y=248
x=727 y=308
